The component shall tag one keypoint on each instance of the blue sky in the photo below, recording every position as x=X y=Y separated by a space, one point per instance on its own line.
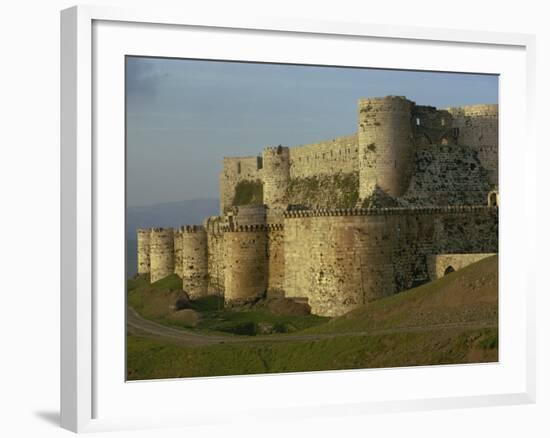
x=183 y=116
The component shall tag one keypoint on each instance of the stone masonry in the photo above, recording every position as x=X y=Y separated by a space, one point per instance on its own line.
x=410 y=196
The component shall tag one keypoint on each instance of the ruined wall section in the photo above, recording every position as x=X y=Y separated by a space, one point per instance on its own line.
x=432 y=126
x=246 y=263
x=385 y=145
x=143 y=251
x=194 y=260
x=235 y=170
x=477 y=127
x=447 y=175
x=216 y=258
x=339 y=155
x=162 y=253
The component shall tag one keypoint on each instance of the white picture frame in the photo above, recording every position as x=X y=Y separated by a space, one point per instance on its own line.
x=82 y=370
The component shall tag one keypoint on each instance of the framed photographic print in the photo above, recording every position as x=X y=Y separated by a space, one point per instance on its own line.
x=257 y=209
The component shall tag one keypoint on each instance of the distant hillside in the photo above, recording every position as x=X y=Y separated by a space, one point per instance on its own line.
x=171 y=214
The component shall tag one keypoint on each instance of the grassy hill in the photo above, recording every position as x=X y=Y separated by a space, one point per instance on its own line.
x=449 y=321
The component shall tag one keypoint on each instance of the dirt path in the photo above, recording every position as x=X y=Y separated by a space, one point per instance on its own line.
x=140 y=326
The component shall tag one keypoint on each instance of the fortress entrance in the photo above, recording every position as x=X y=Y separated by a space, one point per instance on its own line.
x=449 y=269
x=493 y=200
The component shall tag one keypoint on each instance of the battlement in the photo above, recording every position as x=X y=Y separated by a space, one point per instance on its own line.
x=245 y=228
x=162 y=230
x=478 y=110
x=387 y=211
x=192 y=229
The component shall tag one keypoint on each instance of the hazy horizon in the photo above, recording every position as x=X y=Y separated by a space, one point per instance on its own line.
x=184 y=116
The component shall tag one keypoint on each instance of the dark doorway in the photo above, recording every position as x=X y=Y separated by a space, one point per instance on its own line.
x=449 y=270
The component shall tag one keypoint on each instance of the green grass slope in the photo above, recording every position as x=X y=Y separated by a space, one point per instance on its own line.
x=155 y=301
x=450 y=321
x=469 y=295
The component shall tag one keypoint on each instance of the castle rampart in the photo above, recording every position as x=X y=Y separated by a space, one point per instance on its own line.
x=341 y=259
x=349 y=220
x=339 y=155
x=162 y=253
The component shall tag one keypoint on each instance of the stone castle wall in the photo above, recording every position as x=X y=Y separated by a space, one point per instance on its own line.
x=303 y=236
x=339 y=155
x=341 y=259
x=162 y=253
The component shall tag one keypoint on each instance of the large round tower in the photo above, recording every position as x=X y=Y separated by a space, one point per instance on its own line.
x=246 y=263
x=385 y=145
x=162 y=253
x=275 y=175
x=194 y=260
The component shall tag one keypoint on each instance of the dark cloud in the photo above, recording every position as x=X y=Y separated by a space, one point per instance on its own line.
x=143 y=78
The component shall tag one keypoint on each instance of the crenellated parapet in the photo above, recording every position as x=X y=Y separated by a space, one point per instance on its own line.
x=389 y=211
x=192 y=229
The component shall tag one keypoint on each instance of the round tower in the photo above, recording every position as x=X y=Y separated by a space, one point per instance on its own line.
x=275 y=175
x=143 y=249
x=194 y=260
x=178 y=265
x=385 y=145
x=162 y=253
x=246 y=263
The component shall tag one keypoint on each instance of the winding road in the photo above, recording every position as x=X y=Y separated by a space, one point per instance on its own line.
x=138 y=325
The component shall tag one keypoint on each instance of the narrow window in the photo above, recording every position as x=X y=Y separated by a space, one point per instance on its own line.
x=239 y=167
x=442 y=122
x=418 y=121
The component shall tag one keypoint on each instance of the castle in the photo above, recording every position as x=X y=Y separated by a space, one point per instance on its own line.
x=409 y=197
